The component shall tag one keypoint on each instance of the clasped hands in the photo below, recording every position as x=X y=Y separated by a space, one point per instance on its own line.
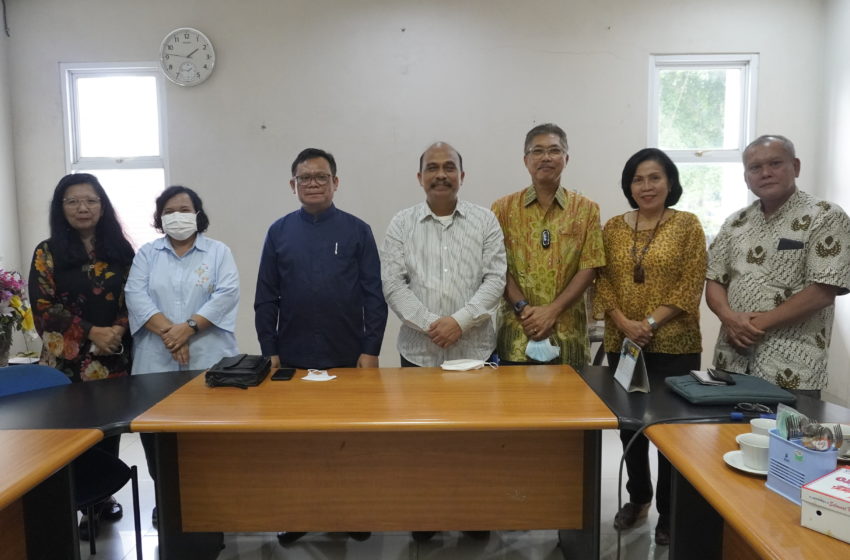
x=638 y=332
x=444 y=332
x=538 y=321
x=741 y=331
x=175 y=338
x=107 y=340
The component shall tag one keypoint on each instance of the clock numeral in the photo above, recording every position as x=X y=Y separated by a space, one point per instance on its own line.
x=171 y=47
x=209 y=56
x=171 y=67
x=204 y=46
x=176 y=39
x=206 y=66
x=197 y=74
x=167 y=57
x=186 y=36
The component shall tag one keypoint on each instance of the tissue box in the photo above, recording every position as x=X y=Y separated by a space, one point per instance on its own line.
x=826 y=504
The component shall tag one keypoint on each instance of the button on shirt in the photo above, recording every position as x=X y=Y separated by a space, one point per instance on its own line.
x=319 y=302
x=203 y=281
x=435 y=267
x=762 y=262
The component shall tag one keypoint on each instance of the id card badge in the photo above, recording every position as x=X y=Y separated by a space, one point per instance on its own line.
x=631 y=370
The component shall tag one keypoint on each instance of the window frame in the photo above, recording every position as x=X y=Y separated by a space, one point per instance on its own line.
x=747 y=62
x=73 y=161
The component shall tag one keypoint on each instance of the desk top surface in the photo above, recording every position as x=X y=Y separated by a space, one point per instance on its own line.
x=516 y=397
x=107 y=404
x=637 y=409
x=768 y=522
x=28 y=457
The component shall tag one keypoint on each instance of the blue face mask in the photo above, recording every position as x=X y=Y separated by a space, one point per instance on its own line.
x=542 y=350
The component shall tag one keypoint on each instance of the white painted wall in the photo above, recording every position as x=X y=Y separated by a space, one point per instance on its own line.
x=835 y=186
x=375 y=81
x=9 y=243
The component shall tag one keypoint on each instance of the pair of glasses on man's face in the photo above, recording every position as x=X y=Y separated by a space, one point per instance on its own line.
x=321 y=179
x=553 y=152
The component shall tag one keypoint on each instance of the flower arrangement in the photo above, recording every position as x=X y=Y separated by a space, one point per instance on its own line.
x=14 y=309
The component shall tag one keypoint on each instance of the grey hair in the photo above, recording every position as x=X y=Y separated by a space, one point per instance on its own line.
x=546 y=128
x=765 y=139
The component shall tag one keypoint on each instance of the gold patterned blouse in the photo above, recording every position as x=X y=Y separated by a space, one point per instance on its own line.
x=542 y=273
x=675 y=274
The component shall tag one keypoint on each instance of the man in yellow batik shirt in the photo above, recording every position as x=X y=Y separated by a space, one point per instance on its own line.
x=553 y=241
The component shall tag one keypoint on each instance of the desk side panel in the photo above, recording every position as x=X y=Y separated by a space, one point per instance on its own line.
x=13 y=543
x=381 y=481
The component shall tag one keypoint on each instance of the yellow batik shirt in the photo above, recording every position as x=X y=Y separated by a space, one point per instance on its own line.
x=674 y=268
x=542 y=273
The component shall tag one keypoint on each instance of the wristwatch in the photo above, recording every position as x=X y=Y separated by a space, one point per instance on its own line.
x=519 y=306
x=653 y=324
x=192 y=323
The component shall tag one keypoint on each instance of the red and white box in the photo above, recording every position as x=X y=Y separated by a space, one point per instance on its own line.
x=826 y=504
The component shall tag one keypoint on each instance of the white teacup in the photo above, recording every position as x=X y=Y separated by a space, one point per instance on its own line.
x=762 y=425
x=754 y=449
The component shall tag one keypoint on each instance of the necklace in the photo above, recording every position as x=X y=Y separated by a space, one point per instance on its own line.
x=639 y=274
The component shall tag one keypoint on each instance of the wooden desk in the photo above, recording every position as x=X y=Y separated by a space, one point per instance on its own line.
x=37 y=514
x=754 y=521
x=381 y=450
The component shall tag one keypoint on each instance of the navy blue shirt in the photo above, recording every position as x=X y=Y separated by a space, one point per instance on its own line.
x=319 y=302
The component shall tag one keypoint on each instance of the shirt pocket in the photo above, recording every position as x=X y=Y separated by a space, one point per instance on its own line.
x=788 y=267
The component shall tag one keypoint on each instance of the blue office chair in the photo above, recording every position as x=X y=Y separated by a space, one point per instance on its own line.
x=23 y=378
x=97 y=474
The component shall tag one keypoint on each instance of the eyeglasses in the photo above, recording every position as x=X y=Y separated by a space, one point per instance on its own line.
x=553 y=152
x=321 y=179
x=754 y=407
x=76 y=202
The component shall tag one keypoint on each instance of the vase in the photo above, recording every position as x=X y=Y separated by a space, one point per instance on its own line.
x=5 y=344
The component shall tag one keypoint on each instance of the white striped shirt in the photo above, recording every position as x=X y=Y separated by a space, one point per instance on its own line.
x=432 y=269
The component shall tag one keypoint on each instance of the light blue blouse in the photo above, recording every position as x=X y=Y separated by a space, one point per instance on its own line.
x=203 y=281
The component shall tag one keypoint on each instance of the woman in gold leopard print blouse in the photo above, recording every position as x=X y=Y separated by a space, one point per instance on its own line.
x=650 y=291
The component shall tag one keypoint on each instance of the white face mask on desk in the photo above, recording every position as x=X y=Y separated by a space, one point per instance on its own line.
x=180 y=225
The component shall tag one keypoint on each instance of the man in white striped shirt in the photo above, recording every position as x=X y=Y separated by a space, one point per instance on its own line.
x=443 y=268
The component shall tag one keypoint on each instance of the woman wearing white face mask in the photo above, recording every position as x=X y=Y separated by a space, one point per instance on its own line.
x=183 y=291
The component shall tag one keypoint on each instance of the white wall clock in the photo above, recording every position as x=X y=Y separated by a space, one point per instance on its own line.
x=186 y=56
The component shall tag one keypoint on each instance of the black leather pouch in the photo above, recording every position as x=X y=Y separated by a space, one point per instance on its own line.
x=242 y=370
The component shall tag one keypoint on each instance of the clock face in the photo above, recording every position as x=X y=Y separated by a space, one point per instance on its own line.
x=186 y=57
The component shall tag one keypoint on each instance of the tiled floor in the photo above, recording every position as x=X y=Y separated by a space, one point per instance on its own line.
x=116 y=540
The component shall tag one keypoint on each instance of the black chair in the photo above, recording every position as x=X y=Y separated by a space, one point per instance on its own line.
x=97 y=476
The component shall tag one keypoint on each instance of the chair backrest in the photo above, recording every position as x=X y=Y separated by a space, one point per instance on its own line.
x=29 y=377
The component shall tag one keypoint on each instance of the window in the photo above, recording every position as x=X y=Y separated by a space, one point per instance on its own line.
x=702 y=114
x=114 y=130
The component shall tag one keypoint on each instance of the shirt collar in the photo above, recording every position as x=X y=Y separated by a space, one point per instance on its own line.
x=424 y=211
x=789 y=204
x=531 y=196
x=322 y=216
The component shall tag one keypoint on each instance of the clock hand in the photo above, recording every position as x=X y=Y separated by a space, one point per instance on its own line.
x=191 y=53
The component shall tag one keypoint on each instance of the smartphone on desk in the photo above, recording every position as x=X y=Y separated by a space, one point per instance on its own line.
x=283 y=374
x=720 y=375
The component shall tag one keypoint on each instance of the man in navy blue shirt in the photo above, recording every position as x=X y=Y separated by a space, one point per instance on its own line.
x=319 y=302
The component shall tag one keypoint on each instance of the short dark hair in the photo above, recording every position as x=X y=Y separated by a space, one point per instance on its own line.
x=459 y=157
x=111 y=244
x=313 y=153
x=203 y=220
x=670 y=169
x=546 y=128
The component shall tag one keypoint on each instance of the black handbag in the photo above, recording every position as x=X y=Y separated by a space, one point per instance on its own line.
x=242 y=370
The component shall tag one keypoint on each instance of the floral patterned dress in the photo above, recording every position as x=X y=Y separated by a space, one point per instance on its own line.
x=68 y=300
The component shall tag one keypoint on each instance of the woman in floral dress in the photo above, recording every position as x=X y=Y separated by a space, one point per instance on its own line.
x=76 y=286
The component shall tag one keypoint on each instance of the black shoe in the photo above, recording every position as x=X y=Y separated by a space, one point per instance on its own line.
x=662 y=532
x=629 y=515
x=477 y=535
x=84 y=528
x=155 y=518
x=359 y=536
x=109 y=510
x=423 y=536
x=288 y=537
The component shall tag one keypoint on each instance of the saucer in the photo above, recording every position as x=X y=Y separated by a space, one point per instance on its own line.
x=736 y=460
